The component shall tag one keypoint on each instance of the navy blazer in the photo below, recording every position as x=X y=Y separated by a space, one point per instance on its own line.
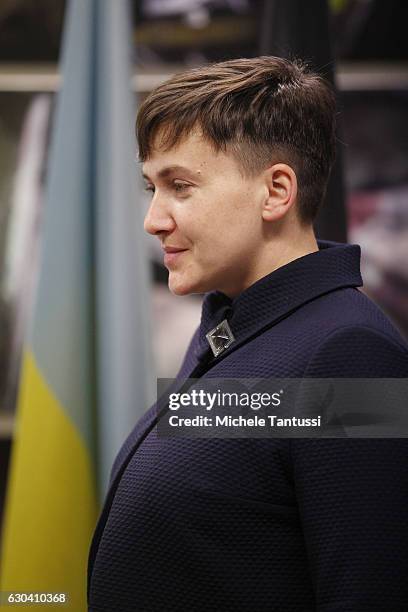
x=258 y=525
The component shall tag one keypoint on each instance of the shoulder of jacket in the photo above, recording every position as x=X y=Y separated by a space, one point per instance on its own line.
x=360 y=350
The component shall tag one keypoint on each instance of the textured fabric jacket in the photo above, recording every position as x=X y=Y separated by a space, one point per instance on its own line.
x=274 y=524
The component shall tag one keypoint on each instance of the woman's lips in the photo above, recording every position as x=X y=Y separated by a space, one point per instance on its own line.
x=172 y=256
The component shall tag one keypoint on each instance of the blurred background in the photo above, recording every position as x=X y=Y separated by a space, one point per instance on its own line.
x=363 y=47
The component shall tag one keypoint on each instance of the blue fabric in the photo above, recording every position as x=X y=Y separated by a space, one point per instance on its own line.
x=260 y=525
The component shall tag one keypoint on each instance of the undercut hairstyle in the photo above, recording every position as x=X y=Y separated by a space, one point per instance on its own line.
x=262 y=110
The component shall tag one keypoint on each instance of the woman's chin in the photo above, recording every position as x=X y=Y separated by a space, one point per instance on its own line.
x=180 y=286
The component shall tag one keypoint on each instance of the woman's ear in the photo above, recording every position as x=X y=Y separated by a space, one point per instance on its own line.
x=281 y=183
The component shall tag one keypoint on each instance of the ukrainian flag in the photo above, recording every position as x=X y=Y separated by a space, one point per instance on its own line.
x=86 y=371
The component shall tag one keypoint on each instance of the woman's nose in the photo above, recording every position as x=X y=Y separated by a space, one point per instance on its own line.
x=158 y=218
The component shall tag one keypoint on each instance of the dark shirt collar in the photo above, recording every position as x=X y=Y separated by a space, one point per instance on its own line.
x=274 y=296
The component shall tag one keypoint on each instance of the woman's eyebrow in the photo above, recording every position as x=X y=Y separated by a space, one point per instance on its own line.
x=165 y=172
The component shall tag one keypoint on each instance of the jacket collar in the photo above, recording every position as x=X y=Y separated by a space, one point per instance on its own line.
x=279 y=293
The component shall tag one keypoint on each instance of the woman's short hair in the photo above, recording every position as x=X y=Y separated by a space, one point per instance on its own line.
x=262 y=110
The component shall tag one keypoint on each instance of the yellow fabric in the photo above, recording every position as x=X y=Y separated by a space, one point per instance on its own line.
x=51 y=506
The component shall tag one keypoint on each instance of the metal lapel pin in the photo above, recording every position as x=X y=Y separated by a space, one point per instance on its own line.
x=220 y=338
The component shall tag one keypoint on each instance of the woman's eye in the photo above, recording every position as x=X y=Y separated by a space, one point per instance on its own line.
x=179 y=187
x=149 y=188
